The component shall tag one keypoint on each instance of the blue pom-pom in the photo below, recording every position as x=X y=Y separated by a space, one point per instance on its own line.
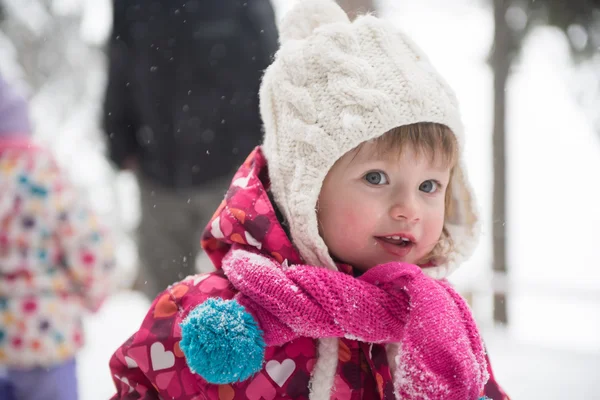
x=222 y=342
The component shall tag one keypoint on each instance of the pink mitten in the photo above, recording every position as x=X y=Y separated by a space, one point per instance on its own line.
x=441 y=355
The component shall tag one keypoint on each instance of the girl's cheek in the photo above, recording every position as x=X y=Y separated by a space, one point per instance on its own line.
x=351 y=214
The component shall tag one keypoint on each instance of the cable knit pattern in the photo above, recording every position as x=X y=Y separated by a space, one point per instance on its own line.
x=441 y=355
x=334 y=85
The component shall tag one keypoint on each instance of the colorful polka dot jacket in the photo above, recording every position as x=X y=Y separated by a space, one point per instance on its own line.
x=55 y=258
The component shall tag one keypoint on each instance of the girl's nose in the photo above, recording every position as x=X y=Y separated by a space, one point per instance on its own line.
x=406 y=208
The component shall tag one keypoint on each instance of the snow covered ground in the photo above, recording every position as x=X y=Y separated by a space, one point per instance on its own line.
x=529 y=370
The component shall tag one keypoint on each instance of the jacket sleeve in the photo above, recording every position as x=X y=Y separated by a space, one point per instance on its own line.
x=86 y=246
x=150 y=363
x=119 y=118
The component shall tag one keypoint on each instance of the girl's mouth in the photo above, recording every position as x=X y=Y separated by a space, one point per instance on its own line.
x=398 y=245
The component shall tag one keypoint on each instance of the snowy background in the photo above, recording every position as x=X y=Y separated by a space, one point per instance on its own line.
x=551 y=348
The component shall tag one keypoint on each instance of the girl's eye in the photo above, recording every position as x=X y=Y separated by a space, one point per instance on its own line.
x=429 y=186
x=376 y=178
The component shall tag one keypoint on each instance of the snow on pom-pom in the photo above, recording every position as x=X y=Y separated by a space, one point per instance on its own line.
x=308 y=15
x=222 y=342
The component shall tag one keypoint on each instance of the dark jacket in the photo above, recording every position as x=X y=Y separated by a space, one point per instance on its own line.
x=183 y=82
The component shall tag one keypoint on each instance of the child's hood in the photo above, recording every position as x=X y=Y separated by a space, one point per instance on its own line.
x=14 y=116
x=246 y=216
x=335 y=84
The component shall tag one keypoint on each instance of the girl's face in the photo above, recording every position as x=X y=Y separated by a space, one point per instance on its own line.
x=374 y=209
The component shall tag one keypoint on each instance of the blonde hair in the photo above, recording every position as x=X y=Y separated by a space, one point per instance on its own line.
x=437 y=142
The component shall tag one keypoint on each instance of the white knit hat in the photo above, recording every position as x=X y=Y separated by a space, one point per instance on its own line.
x=334 y=85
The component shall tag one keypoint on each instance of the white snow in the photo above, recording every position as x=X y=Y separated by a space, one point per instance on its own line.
x=118 y=318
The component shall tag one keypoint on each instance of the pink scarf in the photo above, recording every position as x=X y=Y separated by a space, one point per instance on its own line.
x=441 y=351
x=307 y=301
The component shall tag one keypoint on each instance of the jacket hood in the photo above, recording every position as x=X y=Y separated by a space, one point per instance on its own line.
x=246 y=216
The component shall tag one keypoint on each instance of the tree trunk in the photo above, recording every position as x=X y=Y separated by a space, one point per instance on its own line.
x=501 y=61
x=356 y=7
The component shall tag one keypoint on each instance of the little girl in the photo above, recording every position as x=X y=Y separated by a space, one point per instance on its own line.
x=56 y=261
x=333 y=242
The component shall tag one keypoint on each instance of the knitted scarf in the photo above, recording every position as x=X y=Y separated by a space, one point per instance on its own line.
x=441 y=355
x=307 y=301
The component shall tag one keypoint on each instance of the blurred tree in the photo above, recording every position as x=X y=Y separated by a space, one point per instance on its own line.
x=514 y=19
x=356 y=7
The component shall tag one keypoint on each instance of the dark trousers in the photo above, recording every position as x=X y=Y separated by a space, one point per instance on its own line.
x=170 y=229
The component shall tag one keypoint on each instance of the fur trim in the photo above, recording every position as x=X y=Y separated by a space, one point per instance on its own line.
x=321 y=381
